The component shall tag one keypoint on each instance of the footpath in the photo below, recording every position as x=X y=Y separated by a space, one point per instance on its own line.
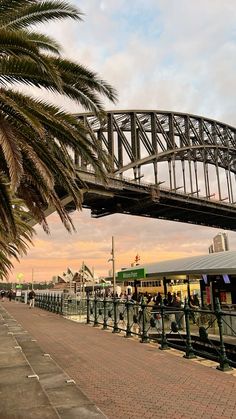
x=122 y=377
x=32 y=385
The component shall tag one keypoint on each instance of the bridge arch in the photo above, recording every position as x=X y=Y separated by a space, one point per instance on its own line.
x=164 y=165
x=183 y=152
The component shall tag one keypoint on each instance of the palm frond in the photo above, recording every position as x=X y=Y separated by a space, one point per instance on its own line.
x=18 y=45
x=33 y=12
x=6 y=209
x=11 y=152
x=12 y=110
x=77 y=75
x=44 y=42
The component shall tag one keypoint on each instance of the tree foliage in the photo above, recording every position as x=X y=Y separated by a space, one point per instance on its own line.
x=37 y=138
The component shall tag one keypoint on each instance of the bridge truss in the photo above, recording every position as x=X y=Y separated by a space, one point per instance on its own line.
x=164 y=165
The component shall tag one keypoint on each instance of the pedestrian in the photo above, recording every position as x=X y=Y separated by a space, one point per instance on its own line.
x=10 y=295
x=2 y=295
x=31 y=298
x=177 y=310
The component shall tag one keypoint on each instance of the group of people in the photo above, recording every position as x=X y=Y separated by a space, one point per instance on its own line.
x=10 y=294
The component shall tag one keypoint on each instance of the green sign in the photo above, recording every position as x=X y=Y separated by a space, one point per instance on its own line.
x=19 y=286
x=131 y=274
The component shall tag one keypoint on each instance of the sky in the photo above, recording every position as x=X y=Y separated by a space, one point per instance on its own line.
x=175 y=55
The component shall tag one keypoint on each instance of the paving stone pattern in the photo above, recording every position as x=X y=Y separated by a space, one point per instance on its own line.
x=127 y=379
x=32 y=384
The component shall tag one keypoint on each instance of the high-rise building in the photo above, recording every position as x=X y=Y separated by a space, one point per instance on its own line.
x=211 y=249
x=220 y=243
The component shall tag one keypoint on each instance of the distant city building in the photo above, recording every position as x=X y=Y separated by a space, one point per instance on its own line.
x=220 y=243
x=211 y=249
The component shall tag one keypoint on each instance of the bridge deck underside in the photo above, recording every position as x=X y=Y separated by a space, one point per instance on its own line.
x=155 y=203
x=166 y=208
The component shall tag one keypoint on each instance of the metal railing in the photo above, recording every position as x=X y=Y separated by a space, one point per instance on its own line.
x=201 y=332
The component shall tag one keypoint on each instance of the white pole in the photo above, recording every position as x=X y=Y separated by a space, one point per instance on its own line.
x=83 y=280
x=113 y=266
x=32 y=279
x=93 y=281
x=70 y=284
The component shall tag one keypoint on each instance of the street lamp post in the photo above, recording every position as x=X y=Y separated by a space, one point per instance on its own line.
x=112 y=259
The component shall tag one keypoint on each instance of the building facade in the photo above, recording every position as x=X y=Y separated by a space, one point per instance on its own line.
x=220 y=243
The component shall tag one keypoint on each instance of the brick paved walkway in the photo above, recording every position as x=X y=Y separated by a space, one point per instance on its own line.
x=127 y=379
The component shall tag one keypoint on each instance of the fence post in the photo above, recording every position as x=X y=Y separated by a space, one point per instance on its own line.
x=105 y=313
x=57 y=303
x=164 y=345
x=54 y=302
x=189 y=353
x=128 y=327
x=61 y=304
x=95 y=324
x=49 y=302
x=115 y=308
x=144 y=335
x=88 y=309
x=224 y=362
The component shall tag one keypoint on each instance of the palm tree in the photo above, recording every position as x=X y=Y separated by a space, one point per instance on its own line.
x=36 y=137
x=16 y=244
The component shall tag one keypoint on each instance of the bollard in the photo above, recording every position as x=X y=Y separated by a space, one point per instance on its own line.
x=224 y=362
x=189 y=353
x=88 y=309
x=115 y=309
x=105 y=314
x=164 y=345
x=128 y=326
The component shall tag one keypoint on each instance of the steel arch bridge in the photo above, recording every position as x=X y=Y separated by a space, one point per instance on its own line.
x=165 y=165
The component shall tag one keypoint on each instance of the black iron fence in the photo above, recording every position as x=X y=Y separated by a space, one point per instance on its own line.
x=201 y=332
